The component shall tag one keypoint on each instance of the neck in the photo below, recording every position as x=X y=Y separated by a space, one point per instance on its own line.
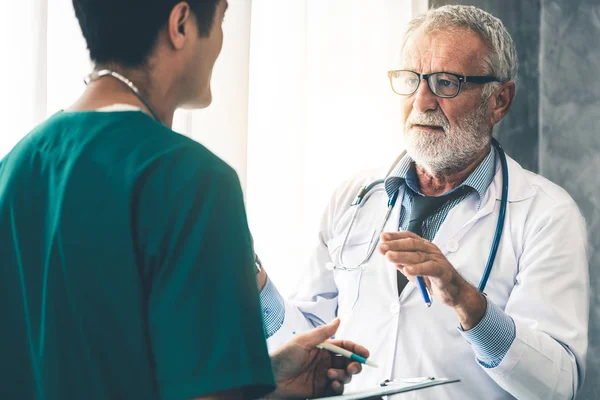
x=108 y=90
x=436 y=184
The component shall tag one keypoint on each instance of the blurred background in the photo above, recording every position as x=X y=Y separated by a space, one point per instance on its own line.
x=302 y=102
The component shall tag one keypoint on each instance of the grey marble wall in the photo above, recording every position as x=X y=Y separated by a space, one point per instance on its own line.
x=570 y=130
x=555 y=125
x=518 y=132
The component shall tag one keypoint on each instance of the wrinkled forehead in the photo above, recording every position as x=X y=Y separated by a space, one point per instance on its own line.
x=455 y=50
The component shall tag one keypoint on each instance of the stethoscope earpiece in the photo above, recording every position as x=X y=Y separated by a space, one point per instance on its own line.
x=330 y=266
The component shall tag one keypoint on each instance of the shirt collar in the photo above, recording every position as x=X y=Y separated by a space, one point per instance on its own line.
x=479 y=180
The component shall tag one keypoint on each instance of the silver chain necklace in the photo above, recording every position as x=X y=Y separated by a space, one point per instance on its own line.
x=94 y=76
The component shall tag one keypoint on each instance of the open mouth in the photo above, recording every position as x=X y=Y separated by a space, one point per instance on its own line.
x=431 y=128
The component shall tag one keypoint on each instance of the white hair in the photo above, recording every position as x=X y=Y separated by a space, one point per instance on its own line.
x=501 y=61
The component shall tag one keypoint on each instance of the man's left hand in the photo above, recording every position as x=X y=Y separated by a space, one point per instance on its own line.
x=415 y=256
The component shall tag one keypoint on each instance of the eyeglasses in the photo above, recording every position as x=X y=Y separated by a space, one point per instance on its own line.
x=441 y=84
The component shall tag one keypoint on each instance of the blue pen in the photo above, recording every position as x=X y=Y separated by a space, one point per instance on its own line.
x=424 y=291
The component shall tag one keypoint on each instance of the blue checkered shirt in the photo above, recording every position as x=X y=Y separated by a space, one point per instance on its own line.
x=493 y=336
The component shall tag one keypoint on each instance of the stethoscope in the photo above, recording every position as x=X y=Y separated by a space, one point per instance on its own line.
x=366 y=191
x=94 y=76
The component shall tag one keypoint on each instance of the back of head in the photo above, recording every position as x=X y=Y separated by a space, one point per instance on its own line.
x=501 y=61
x=124 y=32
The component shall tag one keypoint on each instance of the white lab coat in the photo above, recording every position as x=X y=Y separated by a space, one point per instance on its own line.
x=540 y=278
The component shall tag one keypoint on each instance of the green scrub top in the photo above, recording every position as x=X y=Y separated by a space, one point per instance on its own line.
x=126 y=266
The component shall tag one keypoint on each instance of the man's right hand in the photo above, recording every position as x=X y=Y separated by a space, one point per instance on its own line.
x=303 y=371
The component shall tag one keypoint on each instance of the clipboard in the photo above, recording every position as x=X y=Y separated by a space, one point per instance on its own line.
x=402 y=386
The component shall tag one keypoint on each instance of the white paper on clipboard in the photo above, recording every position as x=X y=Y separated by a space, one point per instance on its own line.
x=395 y=388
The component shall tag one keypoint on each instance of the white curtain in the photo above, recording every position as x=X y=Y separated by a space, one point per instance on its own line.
x=301 y=101
x=43 y=62
x=320 y=110
x=223 y=127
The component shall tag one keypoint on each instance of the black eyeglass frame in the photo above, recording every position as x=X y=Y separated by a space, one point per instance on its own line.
x=425 y=77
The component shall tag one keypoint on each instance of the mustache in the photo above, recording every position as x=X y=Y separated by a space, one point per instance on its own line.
x=428 y=118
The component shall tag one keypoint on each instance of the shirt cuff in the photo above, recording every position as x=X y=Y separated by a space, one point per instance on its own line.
x=492 y=337
x=273 y=308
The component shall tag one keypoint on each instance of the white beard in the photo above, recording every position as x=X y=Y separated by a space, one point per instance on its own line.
x=454 y=149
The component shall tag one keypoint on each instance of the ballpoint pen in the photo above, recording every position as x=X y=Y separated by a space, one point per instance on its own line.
x=424 y=292
x=348 y=354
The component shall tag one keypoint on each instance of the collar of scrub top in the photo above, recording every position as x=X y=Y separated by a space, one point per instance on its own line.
x=406 y=172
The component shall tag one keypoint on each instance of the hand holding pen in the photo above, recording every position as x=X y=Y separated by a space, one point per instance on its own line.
x=416 y=257
x=303 y=371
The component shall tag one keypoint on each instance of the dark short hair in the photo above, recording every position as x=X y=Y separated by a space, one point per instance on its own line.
x=126 y=31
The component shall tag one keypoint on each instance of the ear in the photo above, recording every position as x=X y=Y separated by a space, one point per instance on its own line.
x=180 y=25
x=501 y=101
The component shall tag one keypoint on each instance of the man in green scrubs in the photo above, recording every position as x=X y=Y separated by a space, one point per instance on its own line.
x=126 y=262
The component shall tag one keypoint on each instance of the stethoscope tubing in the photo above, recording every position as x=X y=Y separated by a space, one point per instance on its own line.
x=365 y=192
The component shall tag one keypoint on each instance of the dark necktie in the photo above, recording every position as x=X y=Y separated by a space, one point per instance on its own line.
x=422 y=208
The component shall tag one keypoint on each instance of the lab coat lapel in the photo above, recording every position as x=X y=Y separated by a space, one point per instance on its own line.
x=453 y=231
x=462 y=217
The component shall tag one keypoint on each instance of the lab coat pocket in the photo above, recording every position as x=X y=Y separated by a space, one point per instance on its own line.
x=348 y=282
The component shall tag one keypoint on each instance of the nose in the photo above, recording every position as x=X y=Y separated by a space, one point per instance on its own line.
x=425 y=100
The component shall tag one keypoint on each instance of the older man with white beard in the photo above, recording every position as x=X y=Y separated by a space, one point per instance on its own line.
x=524 y=334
